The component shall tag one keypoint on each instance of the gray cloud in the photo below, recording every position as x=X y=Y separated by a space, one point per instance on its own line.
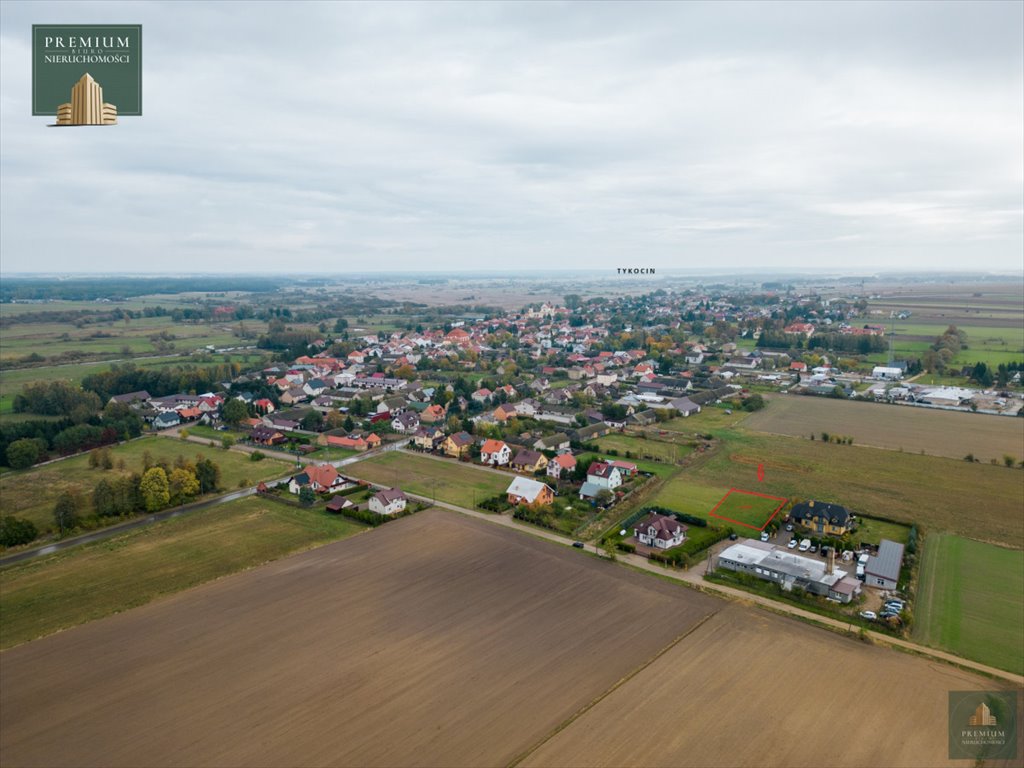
x=454 y=135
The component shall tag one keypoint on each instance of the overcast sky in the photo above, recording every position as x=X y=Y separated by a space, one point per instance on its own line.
x=334 y=137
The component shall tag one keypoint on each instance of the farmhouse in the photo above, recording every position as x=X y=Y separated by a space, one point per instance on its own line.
x=556 y=442
x=495 y=452
x=660 y=531
x=821 y=517
x=772 y=563
x=387 y=502
x=563 y=464
x=523 y=490
x=883 y=569
x=529 y=461
x=129 y=398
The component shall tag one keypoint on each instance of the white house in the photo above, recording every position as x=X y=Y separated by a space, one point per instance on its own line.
x=604 y=475
x=389 y=502
x=660 y=531
x=495 y=452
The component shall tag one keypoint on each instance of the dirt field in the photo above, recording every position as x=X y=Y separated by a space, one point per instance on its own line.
x=937 y=433
x=750 y=689
x=434 y=640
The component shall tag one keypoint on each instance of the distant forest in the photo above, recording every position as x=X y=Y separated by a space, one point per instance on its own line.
x=91 y=288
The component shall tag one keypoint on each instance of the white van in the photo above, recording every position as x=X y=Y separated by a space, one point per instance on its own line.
x=805 y=545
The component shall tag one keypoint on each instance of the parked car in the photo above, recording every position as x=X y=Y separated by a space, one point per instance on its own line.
x=792 y=544
x=896 y=606
x=789 y=526
x=814 y=548
x=869 y=615
x=764 y=535
x=805 y=545
x=578 y=544
x=887 y=614
x=733 y=536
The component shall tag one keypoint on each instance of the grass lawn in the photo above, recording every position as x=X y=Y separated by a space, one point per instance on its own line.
x=710 y=419
x=331 y=454
x=971 y=601
x=680 y=495
x=938 y=494
x=95 y=580
x=444 y=479
x=32 y=493
x=872 y=531
x=746 y=508
x=642 y=448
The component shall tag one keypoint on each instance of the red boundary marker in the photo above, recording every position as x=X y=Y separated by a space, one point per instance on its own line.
x=780 y=499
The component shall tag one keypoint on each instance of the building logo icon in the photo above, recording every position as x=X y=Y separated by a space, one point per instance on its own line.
x=86 y=106
x=983 y=725
x=99 y=65
x=982 y=717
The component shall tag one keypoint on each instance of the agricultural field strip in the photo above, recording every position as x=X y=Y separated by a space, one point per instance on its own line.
x=893 y=427
x=720 y=685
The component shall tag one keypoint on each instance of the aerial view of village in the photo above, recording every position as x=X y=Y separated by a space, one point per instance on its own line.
x=509 y=413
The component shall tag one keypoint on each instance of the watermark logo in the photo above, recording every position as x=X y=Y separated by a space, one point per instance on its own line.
x=87 y=74
x=982 y=725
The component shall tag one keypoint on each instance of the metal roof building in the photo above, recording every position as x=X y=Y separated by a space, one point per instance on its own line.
x=883 y=569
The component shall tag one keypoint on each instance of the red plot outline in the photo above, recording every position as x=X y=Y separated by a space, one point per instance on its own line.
x=781 y=500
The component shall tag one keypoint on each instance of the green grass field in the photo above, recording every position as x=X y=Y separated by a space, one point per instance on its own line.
x=710 y=419
x=446 y=480
x=32 y=493
x=753 y=511
x=641 y=448
x=89 y=582
x=872 y=531
x=970 y=600
x=979 y=500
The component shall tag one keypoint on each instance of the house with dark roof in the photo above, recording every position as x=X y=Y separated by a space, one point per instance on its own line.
x=526 y=460
x=406 y=423
x=457 y=445
x=661 y=531
x=821 y=517
x=388 y=502
x=167 y=419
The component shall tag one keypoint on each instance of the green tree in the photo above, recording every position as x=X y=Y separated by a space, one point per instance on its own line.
x=349 y=425
x=182 y=486
x=23 y=453
x=208 y=475
x=1008 y=460
x=227 y=441
x=15 y=531
x=307 y=496
x=65 y=512
x=312 y=421
x=234 y=411
x=103 y=499
x=155 y=489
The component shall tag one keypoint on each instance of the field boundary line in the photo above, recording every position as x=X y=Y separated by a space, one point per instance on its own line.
x=610 y=690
